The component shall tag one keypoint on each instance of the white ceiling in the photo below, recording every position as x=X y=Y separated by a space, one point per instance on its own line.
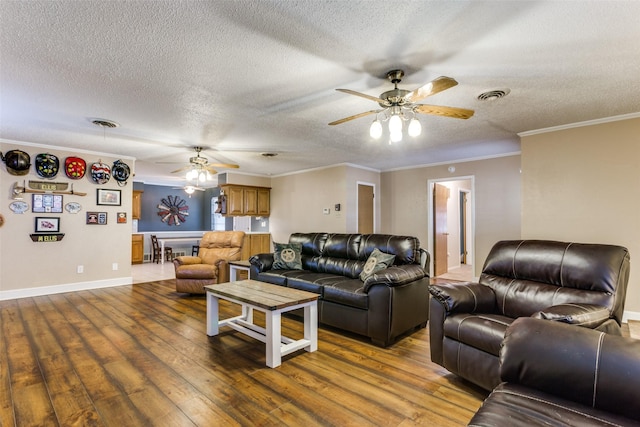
x=247 y=77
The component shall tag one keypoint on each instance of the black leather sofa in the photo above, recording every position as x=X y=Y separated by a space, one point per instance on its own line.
x=582 y=284
x=387 y=304
x=559 y=375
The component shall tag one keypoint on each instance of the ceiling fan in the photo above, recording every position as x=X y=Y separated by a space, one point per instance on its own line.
x=402 y=104
x=199 y=164
x=190 y=189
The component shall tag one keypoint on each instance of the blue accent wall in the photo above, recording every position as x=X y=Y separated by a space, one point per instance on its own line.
x=199 y=209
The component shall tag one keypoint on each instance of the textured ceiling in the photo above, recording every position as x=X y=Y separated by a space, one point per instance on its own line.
x=246 y=77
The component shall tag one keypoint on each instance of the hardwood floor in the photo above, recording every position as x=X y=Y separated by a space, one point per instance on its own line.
x=139 y=355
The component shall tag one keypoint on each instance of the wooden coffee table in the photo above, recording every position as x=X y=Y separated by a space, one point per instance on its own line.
x=273 y=300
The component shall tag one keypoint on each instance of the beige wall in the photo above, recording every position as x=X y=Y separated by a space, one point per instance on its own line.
x=298 y=200
x=581 y=185
x=26 y=265
x=497 y=199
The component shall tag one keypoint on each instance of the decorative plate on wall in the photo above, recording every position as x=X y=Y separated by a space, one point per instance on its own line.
x=73 y=207
x=173 y=210
x=19 y=207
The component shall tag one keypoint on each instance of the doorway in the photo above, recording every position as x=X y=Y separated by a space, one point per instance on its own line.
x=451 y=227
x=365 y=212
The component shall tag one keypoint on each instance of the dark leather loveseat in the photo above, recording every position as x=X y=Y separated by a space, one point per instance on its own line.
x=581 y=284
x=387 y=304
x=559 y=375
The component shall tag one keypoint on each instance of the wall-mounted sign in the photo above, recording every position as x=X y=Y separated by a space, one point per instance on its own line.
x=47 y=237
x=46 y=203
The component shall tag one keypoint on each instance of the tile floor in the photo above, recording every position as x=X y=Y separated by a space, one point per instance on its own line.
x=148 y=272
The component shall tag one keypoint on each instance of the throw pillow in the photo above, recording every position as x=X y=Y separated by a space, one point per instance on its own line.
x=377 y=261
x=287 y=256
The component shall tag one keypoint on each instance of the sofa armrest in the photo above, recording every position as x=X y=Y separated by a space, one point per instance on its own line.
x=586 y=315
x=261 y=262
x=395 y=275
x=586 y=366
x=185 y=260
x=464 y=297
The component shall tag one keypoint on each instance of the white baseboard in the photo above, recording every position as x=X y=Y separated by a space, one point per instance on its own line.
x=58 y=289
x=630 y=315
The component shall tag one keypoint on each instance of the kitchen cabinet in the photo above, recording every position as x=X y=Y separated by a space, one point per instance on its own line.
x=136 y=207
x=255 y=243
x=246 y=200
x=137 y=248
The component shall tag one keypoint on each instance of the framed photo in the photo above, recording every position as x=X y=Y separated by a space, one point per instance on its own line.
x=99 y=218
x=47 y=225
x=108 y=197
x=46 y=203
x=122 y=218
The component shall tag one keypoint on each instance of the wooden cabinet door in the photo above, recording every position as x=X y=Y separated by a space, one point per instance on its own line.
x=250 y=201
x=137 y=249
x=260 y=244
x=136 y=208
x=264 y=206
x=235 y=200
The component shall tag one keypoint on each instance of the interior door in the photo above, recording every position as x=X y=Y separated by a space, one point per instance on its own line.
x=440 y=234
x=365 y=209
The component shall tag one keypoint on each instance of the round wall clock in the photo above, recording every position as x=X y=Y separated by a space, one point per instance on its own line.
x=173 y=210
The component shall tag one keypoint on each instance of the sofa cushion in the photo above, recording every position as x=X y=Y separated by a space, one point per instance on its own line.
x=286 y=256
x=377 y=261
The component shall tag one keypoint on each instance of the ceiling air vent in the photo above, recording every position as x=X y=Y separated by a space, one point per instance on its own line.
x=492 y=95
x=105 y=123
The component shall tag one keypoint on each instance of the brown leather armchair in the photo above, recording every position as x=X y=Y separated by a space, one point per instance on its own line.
x=556 y=374
x=580 y=284
x=210 y=266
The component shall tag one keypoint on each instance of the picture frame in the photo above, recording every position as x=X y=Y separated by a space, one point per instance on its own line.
x=107 y=197
x=99 y=218
x=46 y=203
x=121 y=218
x=47 y=224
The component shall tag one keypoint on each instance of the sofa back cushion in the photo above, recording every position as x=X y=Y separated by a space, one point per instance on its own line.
x=216 y=245
x=405 y=248
x=531 y=275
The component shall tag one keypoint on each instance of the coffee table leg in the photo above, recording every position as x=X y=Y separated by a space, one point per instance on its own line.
x=212 y=314
x=311 y=326
x=274 y=330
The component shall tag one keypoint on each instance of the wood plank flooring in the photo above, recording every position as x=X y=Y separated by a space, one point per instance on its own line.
x=139 y=356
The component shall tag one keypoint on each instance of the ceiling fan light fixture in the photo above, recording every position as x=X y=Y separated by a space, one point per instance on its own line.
x=415 y=128
x=189 y=189
x=376 y=129
x=395 y=125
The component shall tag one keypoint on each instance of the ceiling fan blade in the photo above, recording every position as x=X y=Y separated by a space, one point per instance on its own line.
x=431 y=88
x=363 y=95
x=182 y=169
x=211 y=170
x=438 y=110
x=223 y=165
x=357 y=116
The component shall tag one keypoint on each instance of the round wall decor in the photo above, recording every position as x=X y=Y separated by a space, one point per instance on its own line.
x=173 y=210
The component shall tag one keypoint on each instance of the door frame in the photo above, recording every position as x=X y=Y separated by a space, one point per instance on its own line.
x=472 y=237
x=375 y=203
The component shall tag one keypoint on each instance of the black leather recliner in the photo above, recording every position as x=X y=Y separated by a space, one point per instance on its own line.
x=557 y=374
x=581 y=284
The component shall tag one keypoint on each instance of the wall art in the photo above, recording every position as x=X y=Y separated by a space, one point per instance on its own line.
x=99 y=218
x=46 y=203
x=47 y=224
x=108 y=197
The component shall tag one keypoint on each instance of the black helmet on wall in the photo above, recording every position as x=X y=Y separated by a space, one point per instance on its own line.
x=47 y=165
x=120 y=172
x=18 y=162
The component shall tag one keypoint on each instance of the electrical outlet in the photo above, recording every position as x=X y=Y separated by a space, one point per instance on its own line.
x=80 y=269
x=325 y=211
x=114 y=266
